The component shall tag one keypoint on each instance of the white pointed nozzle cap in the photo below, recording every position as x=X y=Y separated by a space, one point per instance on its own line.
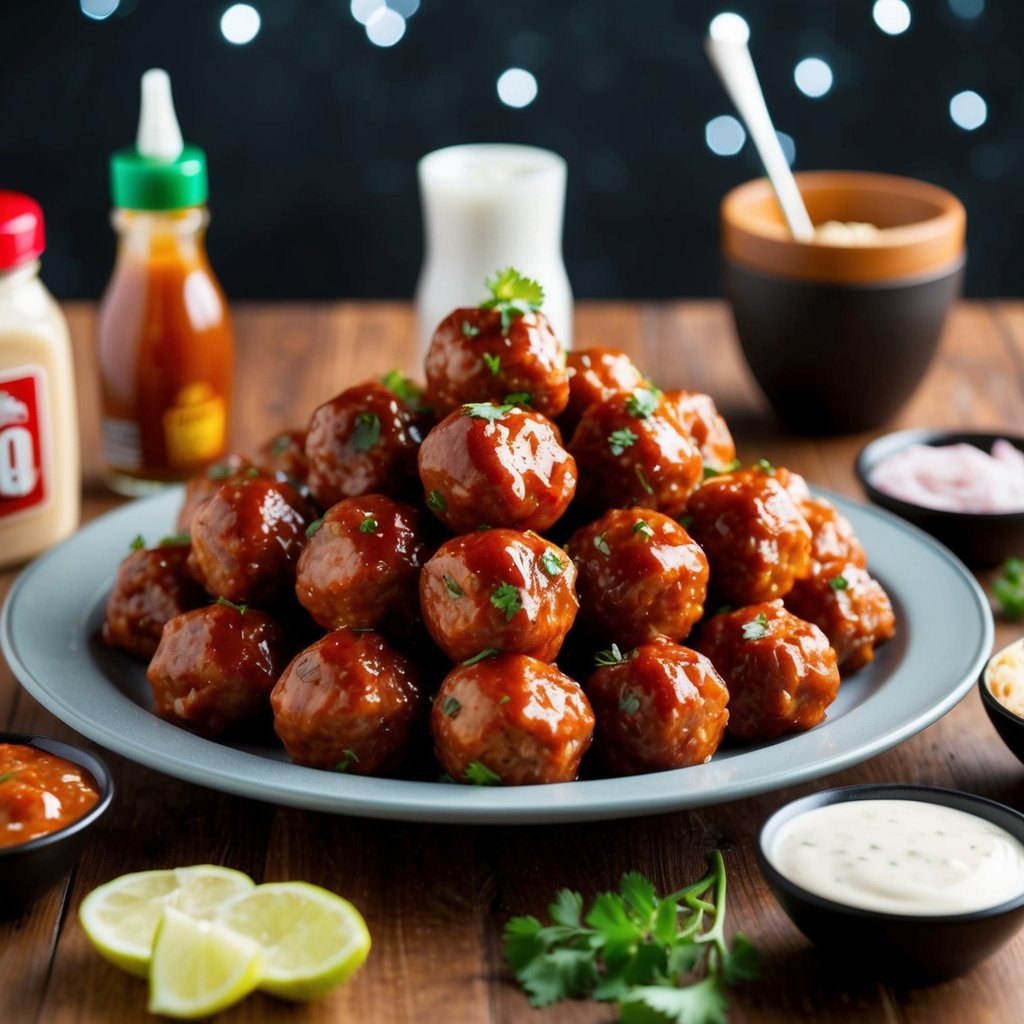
x=159 y=135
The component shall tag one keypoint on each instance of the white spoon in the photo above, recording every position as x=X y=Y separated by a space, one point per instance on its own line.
x=726 y=47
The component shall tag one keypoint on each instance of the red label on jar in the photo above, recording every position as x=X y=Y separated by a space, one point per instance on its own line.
x=23 y=483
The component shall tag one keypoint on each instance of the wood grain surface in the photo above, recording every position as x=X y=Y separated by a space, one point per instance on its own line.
x=436 y=896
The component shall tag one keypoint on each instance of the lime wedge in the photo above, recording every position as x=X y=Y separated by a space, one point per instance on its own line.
x=121 y=917
x=312 y=939
x=200 y=967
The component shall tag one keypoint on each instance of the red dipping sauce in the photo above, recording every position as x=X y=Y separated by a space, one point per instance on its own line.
x=40 y=793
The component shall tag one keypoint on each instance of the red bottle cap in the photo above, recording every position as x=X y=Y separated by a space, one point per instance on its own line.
x=21 y=230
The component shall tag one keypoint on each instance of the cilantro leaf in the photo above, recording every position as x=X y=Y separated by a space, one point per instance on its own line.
x=453 y=588
x=620 y=440
x=628 y=703
x=314 y=526
x=487 y=652
x=349 y=757
x=641 y=476
x=765 y=466
x=368 y=525
x=450 y=707
x=839 y=583
x=1008 y=588
x=506 y=598
x=480 y=775
x=405 y=390
x=643 y=401
x=602 y=545
x=642 y=527
x=702 y=1003
x=552 y=563
x=435 y=499
x=756 y=628
x=367 y=432
x=138 y=543
x=486 y=410
x=175 y=540
x=240 y=608
x=512 y=295
x=612 y=656
x=469 y=330
x=492 y=362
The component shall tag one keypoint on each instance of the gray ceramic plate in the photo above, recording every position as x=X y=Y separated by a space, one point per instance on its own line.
x=54 y=611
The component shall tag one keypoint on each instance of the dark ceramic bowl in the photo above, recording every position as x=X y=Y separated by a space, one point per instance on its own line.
x=981 y=539
x=839 y=336
x=1009 y=726
x=908 y=949
x=29 y=870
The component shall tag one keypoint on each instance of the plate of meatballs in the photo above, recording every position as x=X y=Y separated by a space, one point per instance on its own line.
x=539 y=588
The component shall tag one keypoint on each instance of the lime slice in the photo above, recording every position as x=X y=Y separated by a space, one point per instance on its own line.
x=312 y=939
x=200 y=967
x=121 y=917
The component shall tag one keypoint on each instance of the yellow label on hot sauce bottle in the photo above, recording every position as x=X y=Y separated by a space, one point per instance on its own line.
x=195 y=426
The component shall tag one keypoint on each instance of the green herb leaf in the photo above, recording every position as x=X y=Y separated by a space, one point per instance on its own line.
x=349 y=757
x=138 y=543
x=710 y=471
x=468 y=330
x=487 y=652
x=620 y=440
x=486 y=410
x=765 y=466
x=435 y=499
x=454 y=590
x=512 y=295
x=757 y=628
x=839 y=583
x=220 y=471
x=643 y=401
x=240 y=608
x=602 y=545
x=612 y=656
x=367 y=432
x=175 y=540
x=552 y=563
x=368 y=525
x=644 y=529
x=641 y=476
x=480 y=775
x=629 y=703
x=404 y=389
x=493 y=362
x=7 y=776
x=450 y=707
x=518 y=398
x=314 y=526
x=1008 y=588
x=506 y=598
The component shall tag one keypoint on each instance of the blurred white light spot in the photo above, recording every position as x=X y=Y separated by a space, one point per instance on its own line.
x=967 y=9
x=968 y=110
x=363 y=10
x=891 y=16
x=517 y=88
x=406 y=8
x=813 y=77
x=729 y=28
x=98 y=10
x=788 y=144
x=385 y=27
x=724 y=135
x=240 y=23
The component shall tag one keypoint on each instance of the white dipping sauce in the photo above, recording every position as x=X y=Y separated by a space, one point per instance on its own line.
x=900 y=857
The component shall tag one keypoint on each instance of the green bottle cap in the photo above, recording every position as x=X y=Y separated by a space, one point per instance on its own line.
x=161 y=172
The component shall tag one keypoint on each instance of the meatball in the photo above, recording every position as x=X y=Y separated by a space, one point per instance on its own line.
x=284 y=453
x=511 y=720
x=702 y=421
x=500 y=589
x=780 y=670
x=632 y=449
x=755 y=538
x=363 y=441
x=850 y=607
x=247 y=538
x=362 y=563
x=661 y=706
x=594 y=374
x=640 y=575
x=496 y=465
x=833 y=541
x=347 y=703
x=204 y=485
x=474 y=357
x=152 y=586
x=215 y=666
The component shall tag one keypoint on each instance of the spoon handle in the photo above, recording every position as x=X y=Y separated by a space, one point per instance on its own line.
x=735 y=68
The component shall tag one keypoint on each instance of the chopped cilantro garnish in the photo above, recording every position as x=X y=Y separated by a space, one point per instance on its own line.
x=454 y=590
x=450 y=707
x=435 y=499
x=368 y=525
x=175 y=540
x=480 y=775
x=487 y=652
x=240 y=608
x=1008 y=588
x=602 y=545
x=518 y=398
x=7 y=776
x=612 y=656
x=493 y=362
x=643 y=401
x=756 y=628
x=486 y=410
x=839 y=583
x=629 y=703
x=314 y=526
x=138 y=542
x=404 y=389
x=552 y=563
x=367 y=432
x=468 y=330
x=512 y=295
x=642 y=527
x=506 y=598
x=620 y=440
x=765 y=466
x=642 y=477
x=349 y=757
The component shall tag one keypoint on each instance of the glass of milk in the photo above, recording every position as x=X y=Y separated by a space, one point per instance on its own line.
x=485 y=207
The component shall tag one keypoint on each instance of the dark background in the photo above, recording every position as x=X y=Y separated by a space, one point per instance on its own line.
x=313 y=133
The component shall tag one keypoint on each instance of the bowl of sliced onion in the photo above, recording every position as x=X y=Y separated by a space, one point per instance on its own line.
x=965 y=488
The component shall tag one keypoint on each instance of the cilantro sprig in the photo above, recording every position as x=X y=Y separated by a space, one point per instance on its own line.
x=512 y=295
x=663 y=959
x=1008 y=588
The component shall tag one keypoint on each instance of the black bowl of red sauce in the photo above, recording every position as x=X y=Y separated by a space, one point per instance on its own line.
x=51 y=794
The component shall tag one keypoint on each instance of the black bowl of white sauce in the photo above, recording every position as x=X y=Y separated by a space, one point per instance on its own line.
x=915 y=884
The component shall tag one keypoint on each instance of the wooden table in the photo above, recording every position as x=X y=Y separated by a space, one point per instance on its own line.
x=436 y=897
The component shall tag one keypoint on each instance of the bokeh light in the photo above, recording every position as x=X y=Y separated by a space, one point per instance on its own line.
x=240 y=24
x=728 y=27
x=968 y=110
x=98 y=10
x=385 y=27
x=363 y=10
x=724 y=135
x=788 y=144
x=517 y=87
x=813 y=77
x=406 y=8
x=891 y=16
x=967 y=9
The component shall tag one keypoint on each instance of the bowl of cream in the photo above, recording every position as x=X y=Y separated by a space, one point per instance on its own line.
x=913 y=883
x=1002 y=694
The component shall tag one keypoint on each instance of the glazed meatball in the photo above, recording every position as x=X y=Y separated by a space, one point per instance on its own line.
x=511 y=720
x=702 y=421
x=780 y=670
x=347 y=703
x=204 y=485
x=594 y=374
x=833 y=541
x=632 y=449
x=755 y=538
x=215 y=667
x=660 y=706
x=473 y=358
x=247 y=538
x=640 y=575
x=152 y=586
x=496 y=465
x=284 y=453
x=363 y=441
x=850 y=607
x=500 y=589
x=362 y=563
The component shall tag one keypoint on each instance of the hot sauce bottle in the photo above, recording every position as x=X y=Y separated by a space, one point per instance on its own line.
x=166 y=348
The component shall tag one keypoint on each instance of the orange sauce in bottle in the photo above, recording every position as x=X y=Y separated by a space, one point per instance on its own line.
x=166 y=352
